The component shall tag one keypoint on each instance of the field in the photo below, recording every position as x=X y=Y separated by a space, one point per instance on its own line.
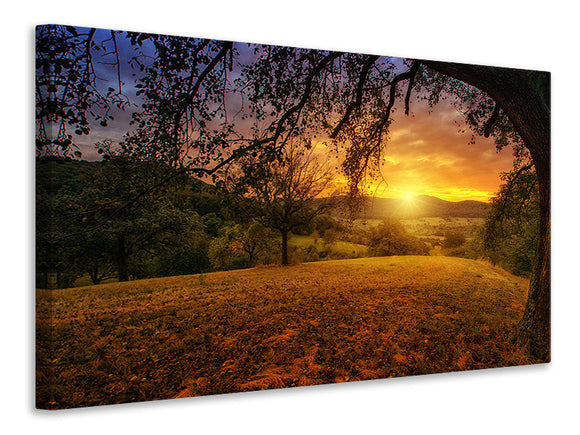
x=338 y=249
x=274 y=327
x=432 y=226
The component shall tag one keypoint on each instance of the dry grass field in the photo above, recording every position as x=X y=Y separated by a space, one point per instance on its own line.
x=274 y=327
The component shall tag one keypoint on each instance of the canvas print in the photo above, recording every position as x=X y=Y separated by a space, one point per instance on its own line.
x=216 y=217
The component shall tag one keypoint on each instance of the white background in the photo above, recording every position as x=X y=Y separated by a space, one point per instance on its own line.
x=532 y=34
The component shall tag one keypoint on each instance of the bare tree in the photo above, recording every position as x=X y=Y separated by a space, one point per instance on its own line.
x=289 y=192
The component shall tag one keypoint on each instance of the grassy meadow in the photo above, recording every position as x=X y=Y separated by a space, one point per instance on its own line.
x=274 y=327
x=433 y=227
x=338 y=249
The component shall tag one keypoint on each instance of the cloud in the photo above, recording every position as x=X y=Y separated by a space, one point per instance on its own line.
x=428 y=154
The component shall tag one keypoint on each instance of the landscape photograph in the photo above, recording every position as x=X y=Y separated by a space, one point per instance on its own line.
x=218 y=217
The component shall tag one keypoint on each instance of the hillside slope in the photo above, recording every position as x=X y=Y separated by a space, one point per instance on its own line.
x=272 y=327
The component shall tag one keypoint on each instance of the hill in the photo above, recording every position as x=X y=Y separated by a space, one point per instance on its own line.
x=423 y=206
x=273 y=327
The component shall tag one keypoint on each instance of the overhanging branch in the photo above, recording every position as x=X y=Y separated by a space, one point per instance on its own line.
x=407 y=75
x=413 y=71
x=359 y=94
x=491 y=121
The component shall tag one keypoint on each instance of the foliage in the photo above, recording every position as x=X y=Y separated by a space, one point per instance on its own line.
x=454 y=239
x=67 y=92
x=472 y=249
x=59 y=183
x=511 y=230
x=212 y=223
x=181 y=249
x=225 y=251
x=241 y=246
x=391 y=238
x=100 y=232
x=205 y=104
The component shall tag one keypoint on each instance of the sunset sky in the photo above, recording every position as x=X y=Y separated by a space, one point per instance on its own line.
x=426 y=154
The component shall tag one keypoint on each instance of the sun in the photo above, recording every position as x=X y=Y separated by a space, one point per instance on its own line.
x=409 y=197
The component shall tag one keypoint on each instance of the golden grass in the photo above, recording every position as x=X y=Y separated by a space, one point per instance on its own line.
x=274 y=327
x=338 y=248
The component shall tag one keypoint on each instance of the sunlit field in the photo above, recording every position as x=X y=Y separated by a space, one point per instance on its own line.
x=432 y=226
x=273 y=327
x=338 y=249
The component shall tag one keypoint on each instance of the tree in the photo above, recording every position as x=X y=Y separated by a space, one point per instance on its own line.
x=254 y=240
x=238 y=241
x=454 y=239
x=287 y=193
x=510 y=234
x=92 y=254
x=99 y=234
x=58 y=187
x=180 y=250
x=524 y=98
x=391 y=238
x=192 y=100
x=157 y=236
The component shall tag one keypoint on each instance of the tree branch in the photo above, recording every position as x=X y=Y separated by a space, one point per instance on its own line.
x=118 y=61
x=359 y=93
x=413 y=71
x=410 y=74
x=237 y=153
x=392 y=96
x=491 y=121
x=307 y=89
x=188 y=100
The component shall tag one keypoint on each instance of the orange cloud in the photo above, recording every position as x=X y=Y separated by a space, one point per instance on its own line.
x=427 y=155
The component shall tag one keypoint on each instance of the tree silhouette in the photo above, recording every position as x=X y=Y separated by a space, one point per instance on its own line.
x=287 y=192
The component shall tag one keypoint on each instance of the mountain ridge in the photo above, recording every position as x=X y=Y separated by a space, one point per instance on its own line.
x=423 y=206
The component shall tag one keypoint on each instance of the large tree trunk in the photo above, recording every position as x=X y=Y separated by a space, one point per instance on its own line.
x=529 y=112
x=534 y=328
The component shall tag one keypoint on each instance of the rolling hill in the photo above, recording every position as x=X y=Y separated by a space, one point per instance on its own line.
x=423 y=206
x=274 y=327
